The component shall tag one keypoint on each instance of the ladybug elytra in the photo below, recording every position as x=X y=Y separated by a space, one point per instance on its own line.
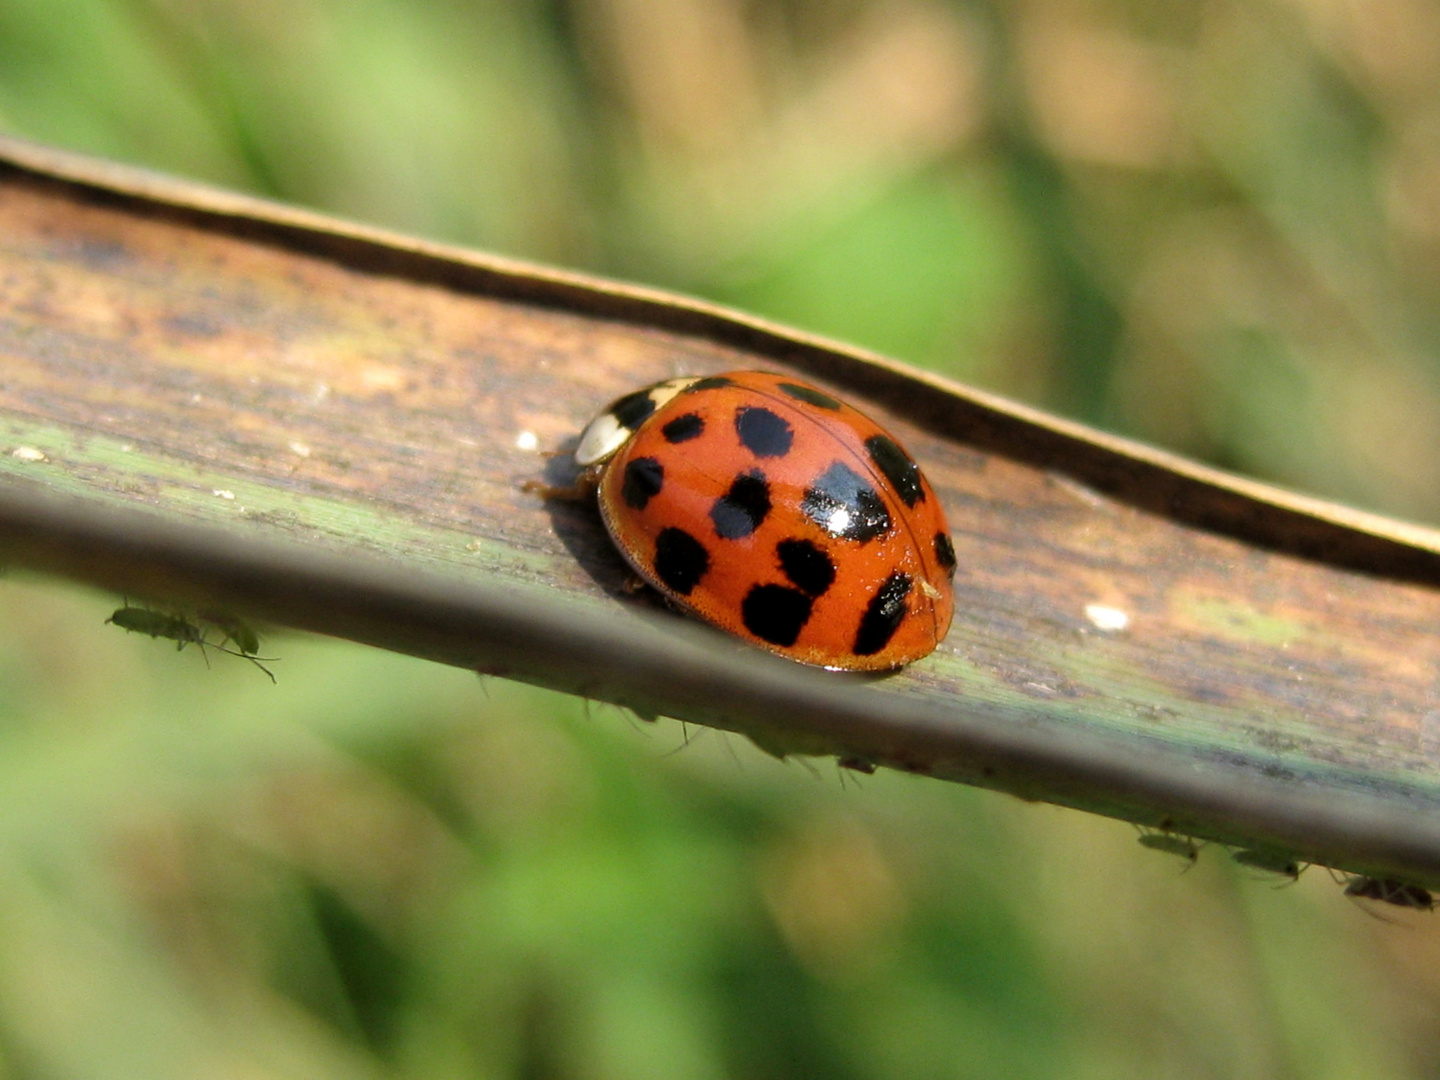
x=776 y=512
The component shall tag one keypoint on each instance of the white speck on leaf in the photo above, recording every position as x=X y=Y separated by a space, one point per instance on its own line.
x=224 y=494
x=28 y=453
x=1107 y=618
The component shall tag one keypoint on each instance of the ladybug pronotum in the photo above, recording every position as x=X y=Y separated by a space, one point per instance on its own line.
x=778 y=513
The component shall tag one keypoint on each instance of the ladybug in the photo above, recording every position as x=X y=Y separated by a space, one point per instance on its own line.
x=769 y=508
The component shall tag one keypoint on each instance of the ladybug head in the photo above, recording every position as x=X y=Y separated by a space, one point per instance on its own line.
x=612 y=429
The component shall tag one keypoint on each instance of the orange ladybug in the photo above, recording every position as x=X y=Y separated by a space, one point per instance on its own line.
x=778 y=513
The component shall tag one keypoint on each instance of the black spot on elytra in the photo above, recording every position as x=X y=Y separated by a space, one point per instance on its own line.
x=739 y=512
x=712 y=382
x=632 y=409
x=810 y=395
x=945 y=552
x=845 y=505
x=884 y=615
x=763 y=432
x=806 y=565
x=643 y=479
x=680 y=560
x=775 y=614
x=903 y=474
x=683 y=428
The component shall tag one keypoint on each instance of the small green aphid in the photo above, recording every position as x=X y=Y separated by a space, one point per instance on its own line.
x=1271 y=862
x=1390 y=891
x=237 y=631
x=182 y=631
x=1172 y=844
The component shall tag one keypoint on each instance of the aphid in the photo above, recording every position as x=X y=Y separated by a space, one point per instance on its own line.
x=1271 y=862
x=177 y=628
x=771 y=509
x=242 y=635
x=237 y=631
x=1390 y=891
x=1172 y=844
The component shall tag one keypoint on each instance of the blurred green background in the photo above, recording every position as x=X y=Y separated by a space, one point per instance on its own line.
x=1211 y=225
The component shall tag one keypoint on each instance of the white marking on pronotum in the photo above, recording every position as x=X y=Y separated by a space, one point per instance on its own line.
x=28 y=453
x=1110 y=619
x=605 y=434
x=527 y=440
x=602 y=438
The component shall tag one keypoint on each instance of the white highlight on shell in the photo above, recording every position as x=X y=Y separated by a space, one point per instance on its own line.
x=527 y=440
x=1109 y=619
x=28 y=453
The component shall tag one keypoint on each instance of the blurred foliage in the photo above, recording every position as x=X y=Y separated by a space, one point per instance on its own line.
x=1212 y=225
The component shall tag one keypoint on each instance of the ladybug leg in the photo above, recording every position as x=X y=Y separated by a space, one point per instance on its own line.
x=636 y=586
x=581 y=489
x=572 y=493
